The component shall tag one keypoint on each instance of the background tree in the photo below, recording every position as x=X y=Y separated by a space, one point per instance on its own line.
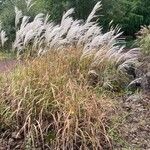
x=128 y=14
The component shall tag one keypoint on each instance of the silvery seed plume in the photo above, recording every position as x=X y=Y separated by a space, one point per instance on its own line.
x=111 y=53
x=29 y=4
x=92 y=32
x=92 y=14
x=102 y=47
x=40 y=44
x=99 y=41
x=131 y=54
x=62 y=43
x=83 y=30
x=35 y=26
x=18 y=42
x=73 y=31
x=26 y=28
x=72 y=35
x=66 y=15
x=46 y=19
x=18 y=16
x=99 y=56
x=48 y=29
x=115 y=52
x=35 y=43
x=114 y=39
x=55 y=42
x=125 y=65
x=40 y=31
x=51 y=33
x=25 y=21
x=65 y=26
x=39 y=17
x=29 y=36
x=102 y=39
x=136 y=81
x=3 y=37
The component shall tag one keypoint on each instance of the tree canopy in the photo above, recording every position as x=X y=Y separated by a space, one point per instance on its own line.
x=130 y=15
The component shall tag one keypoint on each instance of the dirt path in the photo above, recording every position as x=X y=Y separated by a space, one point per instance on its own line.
x=136 y=126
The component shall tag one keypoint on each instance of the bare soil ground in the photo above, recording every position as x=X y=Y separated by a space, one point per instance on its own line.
x=136 y=126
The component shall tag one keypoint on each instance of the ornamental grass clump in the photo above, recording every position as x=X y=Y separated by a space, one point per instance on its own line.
x=38 y=36
x=48 y=104
x=47 y=101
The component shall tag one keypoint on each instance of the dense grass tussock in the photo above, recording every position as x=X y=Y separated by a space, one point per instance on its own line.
x=39 y=35
x=48 y=103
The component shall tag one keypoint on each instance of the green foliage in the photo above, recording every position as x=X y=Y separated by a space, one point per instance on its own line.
x=55 y=8
x=143 y=40
x=129 y=14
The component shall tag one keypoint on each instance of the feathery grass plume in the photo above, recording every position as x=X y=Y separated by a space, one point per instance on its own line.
x=131 y=54
x=25 y=21
x=39 y=17
x=67 y=15
x=46 y=19
x=72 y=34
x=136 y=81
x=127 y=64
x=18 y=16
x=92 y=14
x=42 y=35
x=56 y=35
x=30 y=4
x=28 y=31
x=3 y=36
x=50 y=32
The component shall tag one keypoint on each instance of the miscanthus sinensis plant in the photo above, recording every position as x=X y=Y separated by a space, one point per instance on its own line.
x=47 y=101
x=103 y=50
x=42 y=35
x=48 y=104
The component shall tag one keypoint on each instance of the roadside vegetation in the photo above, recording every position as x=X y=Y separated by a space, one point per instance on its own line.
x=71 y=83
